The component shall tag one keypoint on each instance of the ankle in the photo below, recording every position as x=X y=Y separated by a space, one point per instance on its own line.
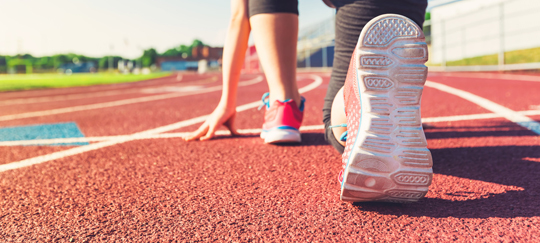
x=284 y=98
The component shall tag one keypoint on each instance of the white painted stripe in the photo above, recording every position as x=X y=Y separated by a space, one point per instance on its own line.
x=66 y=97
x=59 y=155
x=58 y=140
x=226 y=132
x=247 y=131
x=73 y=151
x=318 y=81
x=530 y=113
x=509 y=114
x=128 y=90
x=460 y=117
x=251 y=81
x=111 y=103
x=102 y=105
x=244 y=131
x=513 y=77
x=475 y=116
x=161 y=135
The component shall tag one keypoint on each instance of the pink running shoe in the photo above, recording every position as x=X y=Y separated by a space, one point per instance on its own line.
x=282 y=121
x=386 y=156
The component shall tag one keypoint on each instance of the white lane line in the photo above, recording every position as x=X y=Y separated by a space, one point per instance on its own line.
x=60 y=140
x=513 y=77
x=65 y=97
x=114 y=103
x=247 y=131
x=149 y=136
x=509 y=114
x=530 y=113
x=313 y=85
x=460 y=117
x=475 y=116
x=73 y=151
x=59 y=155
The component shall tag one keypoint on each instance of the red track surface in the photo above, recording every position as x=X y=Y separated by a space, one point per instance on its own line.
x=485 y=186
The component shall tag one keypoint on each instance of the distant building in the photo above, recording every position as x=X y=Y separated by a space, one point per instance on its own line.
x=177 y=63
x=206 y=52
x=212 y=55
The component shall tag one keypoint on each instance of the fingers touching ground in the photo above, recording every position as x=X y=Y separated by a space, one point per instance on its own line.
x=203 y=129
x=208 y=129
x=209 y=134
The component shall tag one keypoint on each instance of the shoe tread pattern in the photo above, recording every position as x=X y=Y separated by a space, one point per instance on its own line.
x=382 y=32
x=390 y=161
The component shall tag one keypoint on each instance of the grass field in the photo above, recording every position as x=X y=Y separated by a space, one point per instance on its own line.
x=40 y=81
x=510 y=57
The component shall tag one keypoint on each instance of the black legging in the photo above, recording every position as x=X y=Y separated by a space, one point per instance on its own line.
x=351 y=16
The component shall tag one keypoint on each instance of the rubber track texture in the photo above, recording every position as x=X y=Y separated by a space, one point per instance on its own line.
x=389 y=159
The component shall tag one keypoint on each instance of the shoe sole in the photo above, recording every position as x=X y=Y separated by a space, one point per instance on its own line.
x=389 y=160
x=281 y=136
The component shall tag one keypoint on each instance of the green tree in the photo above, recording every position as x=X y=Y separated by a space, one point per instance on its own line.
x=182 y=50
x=196 y=43
x=171 y=53
x=60 y=59
x=26 y=56
x=149 y=57
x=103 y=63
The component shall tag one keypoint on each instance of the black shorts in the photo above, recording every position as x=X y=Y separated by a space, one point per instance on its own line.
x=351 y=16
x=272 y=6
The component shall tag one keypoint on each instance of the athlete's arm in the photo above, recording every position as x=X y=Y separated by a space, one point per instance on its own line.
x=234 y=51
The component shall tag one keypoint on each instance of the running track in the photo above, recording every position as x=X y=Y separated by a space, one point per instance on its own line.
x=138 y=180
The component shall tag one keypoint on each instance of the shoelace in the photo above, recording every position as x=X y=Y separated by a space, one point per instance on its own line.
x=265 y=101
x=343 y=136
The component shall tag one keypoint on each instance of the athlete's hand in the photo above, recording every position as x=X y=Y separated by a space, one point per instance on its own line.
x=222 y=115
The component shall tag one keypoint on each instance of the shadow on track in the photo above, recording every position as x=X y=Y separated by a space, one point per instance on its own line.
x=506 y=165
x=502 y=165
x=308 y=139
x=502 y=130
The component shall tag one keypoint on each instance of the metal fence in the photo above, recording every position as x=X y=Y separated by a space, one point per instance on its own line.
x=316 y=45
x=493 y=27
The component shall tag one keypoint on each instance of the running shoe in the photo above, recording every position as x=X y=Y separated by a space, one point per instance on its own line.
x=282 y=121
x=386 y=156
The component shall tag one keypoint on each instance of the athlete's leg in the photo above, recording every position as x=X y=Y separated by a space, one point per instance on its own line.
x=351 y=16
x=274 y=26
x=338 y=118
x=276 y=36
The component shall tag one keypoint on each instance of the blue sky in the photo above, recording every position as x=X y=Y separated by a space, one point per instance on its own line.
x=120 y=27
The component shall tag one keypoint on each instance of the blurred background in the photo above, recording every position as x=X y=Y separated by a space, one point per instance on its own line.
x=462 y=35
x=47 y=40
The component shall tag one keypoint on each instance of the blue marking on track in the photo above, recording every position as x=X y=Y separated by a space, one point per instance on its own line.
x=531 y=125
x=43 y=131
